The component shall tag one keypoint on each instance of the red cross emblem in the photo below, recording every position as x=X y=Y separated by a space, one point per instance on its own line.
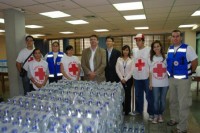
x=30 y=59
x=40 y=73
x=73 y=69
x=140 y=65
x=159 y=70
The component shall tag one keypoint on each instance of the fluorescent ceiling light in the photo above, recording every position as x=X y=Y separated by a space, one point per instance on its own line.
x=37 y=35
x=1 y=20
x=2 y=30
x=135 y=17
x=66 y=32
x=33 y=26
x=197 y=13
x=128 y=6
x=77 y=22
x=186 y=26
x=55 y=14
x=101 y=30
x=141 y=28
x=195 y=27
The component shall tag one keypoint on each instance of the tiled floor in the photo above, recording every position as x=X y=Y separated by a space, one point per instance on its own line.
x=194 y=121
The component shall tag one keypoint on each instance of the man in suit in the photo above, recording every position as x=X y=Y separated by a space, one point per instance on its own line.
x=111 y=60
x=93 y=61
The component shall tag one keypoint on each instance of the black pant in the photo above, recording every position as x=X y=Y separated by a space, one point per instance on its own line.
x=127 y=88
x=31 y=88
x=26 y=82
x=1 y=99
x=54 y=79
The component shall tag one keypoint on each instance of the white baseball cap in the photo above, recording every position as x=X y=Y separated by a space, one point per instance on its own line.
x=141 y=36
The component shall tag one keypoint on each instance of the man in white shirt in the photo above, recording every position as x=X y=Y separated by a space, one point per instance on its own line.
x=182 y=61
x=93 y=61
x=141 y=75
x=25 y=56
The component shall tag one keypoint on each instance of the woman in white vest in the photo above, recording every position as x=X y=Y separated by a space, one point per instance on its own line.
x=70 y=65
x=38 y=71
x=158 y=80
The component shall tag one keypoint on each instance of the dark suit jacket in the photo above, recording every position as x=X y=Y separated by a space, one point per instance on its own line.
x=110 y=71
x=99 y=63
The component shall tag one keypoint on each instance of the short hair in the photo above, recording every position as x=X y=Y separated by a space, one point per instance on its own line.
x=129 y=49
x=69 y=47
x=56 y=42
x=177 y=31
x=110 y=37
x=36 y=50
x=29 y=36
x=94 y=36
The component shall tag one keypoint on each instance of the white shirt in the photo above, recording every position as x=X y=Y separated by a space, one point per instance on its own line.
x=124 y=68
x=23 y=55
x=38 y=71
x=55 y=54
x=92 y=59
x=141 y=67
x=158 y=70
x=70 y=64
x=109 y=53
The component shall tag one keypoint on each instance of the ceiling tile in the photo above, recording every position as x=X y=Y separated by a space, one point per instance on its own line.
x=104 y=8
x=157 y=3
x=19 y=3
x=88 y=3
x=63 y=5
x=38 y=8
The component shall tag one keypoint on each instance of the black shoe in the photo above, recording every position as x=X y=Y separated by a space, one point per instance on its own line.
x=172 y=123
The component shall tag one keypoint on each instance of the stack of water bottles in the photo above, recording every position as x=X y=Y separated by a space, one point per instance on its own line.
x=133 y=127
x=66 y=107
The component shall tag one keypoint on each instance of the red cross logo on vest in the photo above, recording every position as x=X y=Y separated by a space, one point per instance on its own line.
x=160 y=70
x=140 y=65
x=73 y=69
x=40 y=73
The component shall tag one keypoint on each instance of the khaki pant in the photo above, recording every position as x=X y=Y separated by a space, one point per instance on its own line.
x=180 y=101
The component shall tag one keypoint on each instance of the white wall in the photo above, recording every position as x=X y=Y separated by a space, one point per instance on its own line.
x=190 y=38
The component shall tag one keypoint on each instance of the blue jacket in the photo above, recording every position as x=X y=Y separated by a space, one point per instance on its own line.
x=54 y=67
x=177 y=65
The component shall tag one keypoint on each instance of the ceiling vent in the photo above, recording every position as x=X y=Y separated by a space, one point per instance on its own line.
x=90 y=17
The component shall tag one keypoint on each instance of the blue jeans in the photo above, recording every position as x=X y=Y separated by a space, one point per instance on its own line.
x=159 y=96
x=142 y=86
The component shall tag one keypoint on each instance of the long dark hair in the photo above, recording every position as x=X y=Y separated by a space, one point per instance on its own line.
x=152 y=53
x=129 y=49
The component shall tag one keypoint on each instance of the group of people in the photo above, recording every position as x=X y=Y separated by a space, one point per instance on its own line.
x=37 y=71
x=145 y=69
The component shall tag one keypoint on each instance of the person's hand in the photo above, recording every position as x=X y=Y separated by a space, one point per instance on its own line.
x=150 y=86
x=92 y=75
x=123 y=81
x=38 y=85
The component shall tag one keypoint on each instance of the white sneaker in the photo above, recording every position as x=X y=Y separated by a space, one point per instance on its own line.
x=135 y=113
x=155 y=120
x=131 y=113
x=150 y=117
x=160 y=119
